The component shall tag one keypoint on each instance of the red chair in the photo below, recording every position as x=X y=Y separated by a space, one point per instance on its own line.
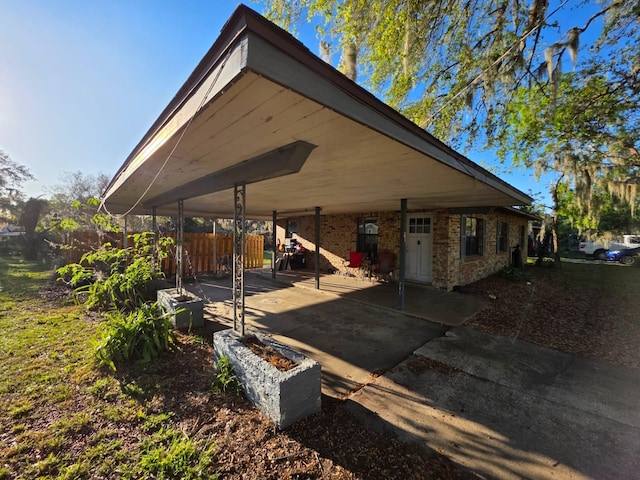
x=354 y=263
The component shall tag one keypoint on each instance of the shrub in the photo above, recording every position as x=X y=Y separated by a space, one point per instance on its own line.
x=118 y=278
x=143 y=334
x=225 y=379
x=511 y=273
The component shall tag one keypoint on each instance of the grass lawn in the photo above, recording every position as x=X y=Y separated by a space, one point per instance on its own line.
x=63 y=418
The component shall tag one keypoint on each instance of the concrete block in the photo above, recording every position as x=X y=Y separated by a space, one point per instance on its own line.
x=285 y=397
x=191 y=316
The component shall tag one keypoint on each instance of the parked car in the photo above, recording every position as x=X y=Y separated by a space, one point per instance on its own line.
x=625 y=256
x=599 y=249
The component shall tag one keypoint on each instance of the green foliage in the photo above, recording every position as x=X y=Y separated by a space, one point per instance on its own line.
x=99 y=430
x=454 y=66
x=169 y=454
x=225 y=379
x=143 y=334
x=512 y=273
x=120 y=278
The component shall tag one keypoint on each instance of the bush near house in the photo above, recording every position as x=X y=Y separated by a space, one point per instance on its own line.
x=118 y=278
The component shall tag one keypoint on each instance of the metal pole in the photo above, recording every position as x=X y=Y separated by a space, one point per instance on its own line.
x=179 y=246
x=154 y=229
x=274 y=251
x=215 y=249
x=239 y=192
x=403 y=252
x=125 y=242
x=317 y=254
x=154 y=222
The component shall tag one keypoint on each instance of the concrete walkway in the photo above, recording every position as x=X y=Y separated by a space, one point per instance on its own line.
x=507 y=409
x=501 y=407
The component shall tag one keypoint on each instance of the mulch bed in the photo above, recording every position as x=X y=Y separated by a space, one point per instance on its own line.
x=547 y=307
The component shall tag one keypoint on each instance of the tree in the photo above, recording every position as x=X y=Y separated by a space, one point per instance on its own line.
x=453 y=66
x=30 y=215
x=584 y=135
x=73 y=200
x=495 y=71
x=12 y=176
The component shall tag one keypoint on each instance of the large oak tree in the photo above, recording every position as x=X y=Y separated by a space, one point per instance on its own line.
x=552 y=84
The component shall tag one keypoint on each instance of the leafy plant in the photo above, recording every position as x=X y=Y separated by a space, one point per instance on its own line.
x=225 y=379
x=170 y=454
x=512 y=273
x=120 y=278
x=143 y=334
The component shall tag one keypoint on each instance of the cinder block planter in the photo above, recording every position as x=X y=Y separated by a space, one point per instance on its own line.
x=285 y=397
x=191 y=316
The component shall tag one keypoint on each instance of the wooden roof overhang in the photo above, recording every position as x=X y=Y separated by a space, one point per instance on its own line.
x=261 y=109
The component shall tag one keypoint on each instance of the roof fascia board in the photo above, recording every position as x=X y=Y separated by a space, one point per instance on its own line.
x=210 y=87
x=225 y=45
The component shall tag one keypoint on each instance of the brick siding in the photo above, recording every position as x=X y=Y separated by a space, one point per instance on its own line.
x=338 y=237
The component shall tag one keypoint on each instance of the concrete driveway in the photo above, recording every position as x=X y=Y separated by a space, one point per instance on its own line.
x=500 y=407
x=507 y=409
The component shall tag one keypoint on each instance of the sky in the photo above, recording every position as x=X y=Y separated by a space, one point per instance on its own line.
x=81 y=81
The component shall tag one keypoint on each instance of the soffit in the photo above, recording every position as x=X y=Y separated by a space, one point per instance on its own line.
x=257 y=98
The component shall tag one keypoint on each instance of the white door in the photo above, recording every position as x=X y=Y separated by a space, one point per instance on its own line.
x=419 y=248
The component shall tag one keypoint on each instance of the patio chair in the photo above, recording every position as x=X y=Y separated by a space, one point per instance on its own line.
x=354 y=264
x=385 y=265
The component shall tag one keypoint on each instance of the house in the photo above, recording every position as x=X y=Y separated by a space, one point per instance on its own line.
x=11 y=231
x=265 y=129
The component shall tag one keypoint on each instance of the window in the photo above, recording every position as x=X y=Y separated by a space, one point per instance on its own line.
x=368 y=236
x=472 y=236
x=292 y=228
x=502 y=237
x=420 y=225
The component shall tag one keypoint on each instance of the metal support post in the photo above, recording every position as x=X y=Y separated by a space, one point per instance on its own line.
x=403 y=252
x=179 y=246
x=273 y=242
x=317 y=254
x=154 y=229
x=239 y=192
x=125 y=240
x=215 y=248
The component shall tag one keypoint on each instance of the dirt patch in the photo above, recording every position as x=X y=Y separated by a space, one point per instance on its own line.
x=268 y=353
x=587 y=310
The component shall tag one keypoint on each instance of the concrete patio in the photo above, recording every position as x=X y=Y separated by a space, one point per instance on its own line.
x=500 y=407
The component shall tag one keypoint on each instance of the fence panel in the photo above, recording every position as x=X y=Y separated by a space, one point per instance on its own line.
x=198 y=250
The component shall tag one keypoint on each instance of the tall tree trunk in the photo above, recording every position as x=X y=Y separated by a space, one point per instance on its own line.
x=554 y=224
x=349 y=60
x=31 y=211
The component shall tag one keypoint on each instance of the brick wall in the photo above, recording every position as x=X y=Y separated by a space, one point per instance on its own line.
x=338 y=237
x=463 y=271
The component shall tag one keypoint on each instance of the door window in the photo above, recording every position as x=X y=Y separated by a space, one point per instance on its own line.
x=420 y=225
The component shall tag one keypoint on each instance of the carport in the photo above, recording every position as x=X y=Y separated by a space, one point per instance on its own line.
x=265 y=129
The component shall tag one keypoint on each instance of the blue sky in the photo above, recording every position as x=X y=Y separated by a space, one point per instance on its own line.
x=82 y=81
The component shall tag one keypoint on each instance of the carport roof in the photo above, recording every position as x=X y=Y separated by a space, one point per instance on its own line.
x=261 y=109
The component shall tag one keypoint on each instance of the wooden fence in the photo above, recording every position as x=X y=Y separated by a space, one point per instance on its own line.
x=199 y=252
